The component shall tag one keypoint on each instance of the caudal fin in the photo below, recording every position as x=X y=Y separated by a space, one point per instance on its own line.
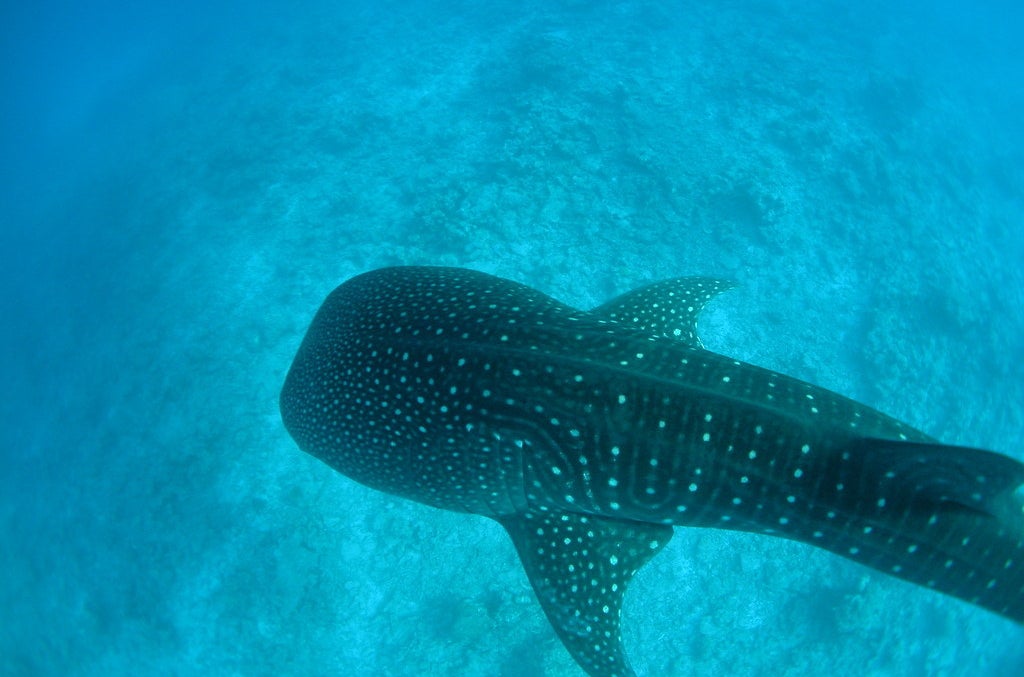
x=947 y=518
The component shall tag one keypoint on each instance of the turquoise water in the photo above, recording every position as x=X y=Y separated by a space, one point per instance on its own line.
x=182 y=185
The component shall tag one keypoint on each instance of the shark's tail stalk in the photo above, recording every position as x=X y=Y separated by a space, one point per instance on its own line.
x=946 y=518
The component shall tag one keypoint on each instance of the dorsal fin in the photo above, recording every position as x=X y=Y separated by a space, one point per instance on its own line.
x=579 y=566
x=666 y=308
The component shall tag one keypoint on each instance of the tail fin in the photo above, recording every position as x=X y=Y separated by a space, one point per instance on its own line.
x=947 y=518
x=971 y=479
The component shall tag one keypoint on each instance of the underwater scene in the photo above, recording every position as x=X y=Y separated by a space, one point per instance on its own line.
x=183 y=184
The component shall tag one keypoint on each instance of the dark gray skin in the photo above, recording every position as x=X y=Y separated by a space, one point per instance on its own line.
x=589 y=434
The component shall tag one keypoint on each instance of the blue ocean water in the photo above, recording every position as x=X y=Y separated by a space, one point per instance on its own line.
x=183 y=184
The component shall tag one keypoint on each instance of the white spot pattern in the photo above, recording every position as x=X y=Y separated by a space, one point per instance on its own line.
x=473 y=393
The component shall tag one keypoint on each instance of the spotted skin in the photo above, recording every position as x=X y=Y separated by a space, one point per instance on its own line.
x=589 y=435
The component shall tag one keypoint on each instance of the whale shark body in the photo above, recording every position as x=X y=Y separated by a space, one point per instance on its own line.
x=589 y=435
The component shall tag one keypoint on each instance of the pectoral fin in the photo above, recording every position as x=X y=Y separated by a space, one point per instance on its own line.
x=580 y=566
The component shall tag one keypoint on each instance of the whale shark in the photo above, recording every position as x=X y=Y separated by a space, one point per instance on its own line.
x=589 y=435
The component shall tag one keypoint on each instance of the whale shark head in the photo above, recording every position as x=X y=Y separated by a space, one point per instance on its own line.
x=399 y=383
